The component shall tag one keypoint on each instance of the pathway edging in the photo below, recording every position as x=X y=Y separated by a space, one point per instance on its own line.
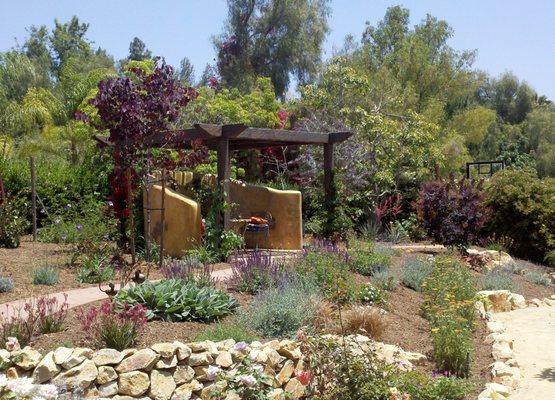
x=505 y=371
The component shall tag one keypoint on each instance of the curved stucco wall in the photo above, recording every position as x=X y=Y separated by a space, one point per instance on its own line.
x=285 y=206
x=182 y=227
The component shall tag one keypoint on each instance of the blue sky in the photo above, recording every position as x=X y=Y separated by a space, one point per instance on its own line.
x=510 y=35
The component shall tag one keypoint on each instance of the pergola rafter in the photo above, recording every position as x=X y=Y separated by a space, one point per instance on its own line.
x=226 y=138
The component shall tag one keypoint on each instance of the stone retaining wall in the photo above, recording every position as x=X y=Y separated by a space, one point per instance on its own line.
x=176 y=371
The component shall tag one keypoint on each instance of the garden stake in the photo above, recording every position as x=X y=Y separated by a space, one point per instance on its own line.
x=162 y=218
x=131 y=218
x=33 y=196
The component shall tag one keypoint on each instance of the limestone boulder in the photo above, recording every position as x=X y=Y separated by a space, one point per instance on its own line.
x=26 y=359
x=61 y=354
x=183 y=374
x=166 y=350
x=46 y=369
x=294 y=389
x=107 y=357
x=166 y=363
x=134 y=383
x=106 y=374
x=285 y=373
x=496 y=300
x=517 y=301
x=198 y=359
x=108 y=389
x=224 y=359
x=162 y=385
x=79 y=377
x=144 y=359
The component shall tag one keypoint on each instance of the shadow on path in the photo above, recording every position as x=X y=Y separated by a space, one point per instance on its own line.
x=547 y=374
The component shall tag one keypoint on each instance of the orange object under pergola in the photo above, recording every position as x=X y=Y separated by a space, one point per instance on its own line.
x=226 y=138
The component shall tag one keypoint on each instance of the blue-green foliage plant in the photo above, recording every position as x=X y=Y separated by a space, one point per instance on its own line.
x=414 y=271
x=282 y=310
x=178 y=300
x=6 y=284
x=48 y=276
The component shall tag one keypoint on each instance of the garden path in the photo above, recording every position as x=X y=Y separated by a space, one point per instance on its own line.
x=79 y=297
x=533 y=332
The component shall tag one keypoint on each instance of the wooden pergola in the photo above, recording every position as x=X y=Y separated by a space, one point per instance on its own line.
x=226 y=138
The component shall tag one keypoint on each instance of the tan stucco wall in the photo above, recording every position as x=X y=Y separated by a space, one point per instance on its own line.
x=182 y=221
x=285 y=206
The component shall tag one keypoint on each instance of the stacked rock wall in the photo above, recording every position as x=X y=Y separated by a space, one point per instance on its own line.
x=178 y=371
x=164 y=371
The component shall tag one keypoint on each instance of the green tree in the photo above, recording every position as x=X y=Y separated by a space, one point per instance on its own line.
x=395 y=148
x=138 y=50
x=473 y=125
x=509 y=97
x=68 y=40
x=271 y=38
x=186 y=72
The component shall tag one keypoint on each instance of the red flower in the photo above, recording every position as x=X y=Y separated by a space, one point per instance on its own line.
x=304 y=377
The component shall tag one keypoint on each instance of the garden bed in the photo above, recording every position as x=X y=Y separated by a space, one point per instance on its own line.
x=403 y=323
x=19 y=263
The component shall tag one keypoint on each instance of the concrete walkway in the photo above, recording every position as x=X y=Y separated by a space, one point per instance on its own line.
x=533 y=332
x=79 y=297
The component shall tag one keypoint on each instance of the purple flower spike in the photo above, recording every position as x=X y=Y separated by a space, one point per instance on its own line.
x=79 y=227
x=64 y=238
x=110 y=203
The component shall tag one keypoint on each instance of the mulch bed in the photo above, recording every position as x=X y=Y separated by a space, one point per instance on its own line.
x=19 y=263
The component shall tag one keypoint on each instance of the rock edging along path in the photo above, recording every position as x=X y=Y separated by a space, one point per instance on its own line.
x=79 y=297
x=533 y=333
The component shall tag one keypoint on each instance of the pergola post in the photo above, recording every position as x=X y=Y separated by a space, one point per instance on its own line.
x=223 y=178
x=329 y=191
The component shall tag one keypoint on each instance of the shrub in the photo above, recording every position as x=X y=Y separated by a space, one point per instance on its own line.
x=45 y=276
x=6 y=284
x=449 y=307
x=281 y=311
x=385 y=280
x=412 y=227
x=188 y=268
x=387 y=250
x=255 y=271
x=78 y=222
x=436 y=387
x=227 y=330
x=524 y=211
x=368 y=263
x=44 y=314
x=373 y=295
x=395 y=232
x=329 y=268
x=497 y=279
x=415 y=271
x=95 y=269
x=357 y=374
x=516 y=267
x=50 y=314
x=364 y=320
x=179 y=300
x=538 y=278
x=12 y=224
x=452 y=213
x=111 y=326
x=452 y=344
x=449 y=287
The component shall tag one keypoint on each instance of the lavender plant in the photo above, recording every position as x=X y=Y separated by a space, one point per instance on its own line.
x=255 y=271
